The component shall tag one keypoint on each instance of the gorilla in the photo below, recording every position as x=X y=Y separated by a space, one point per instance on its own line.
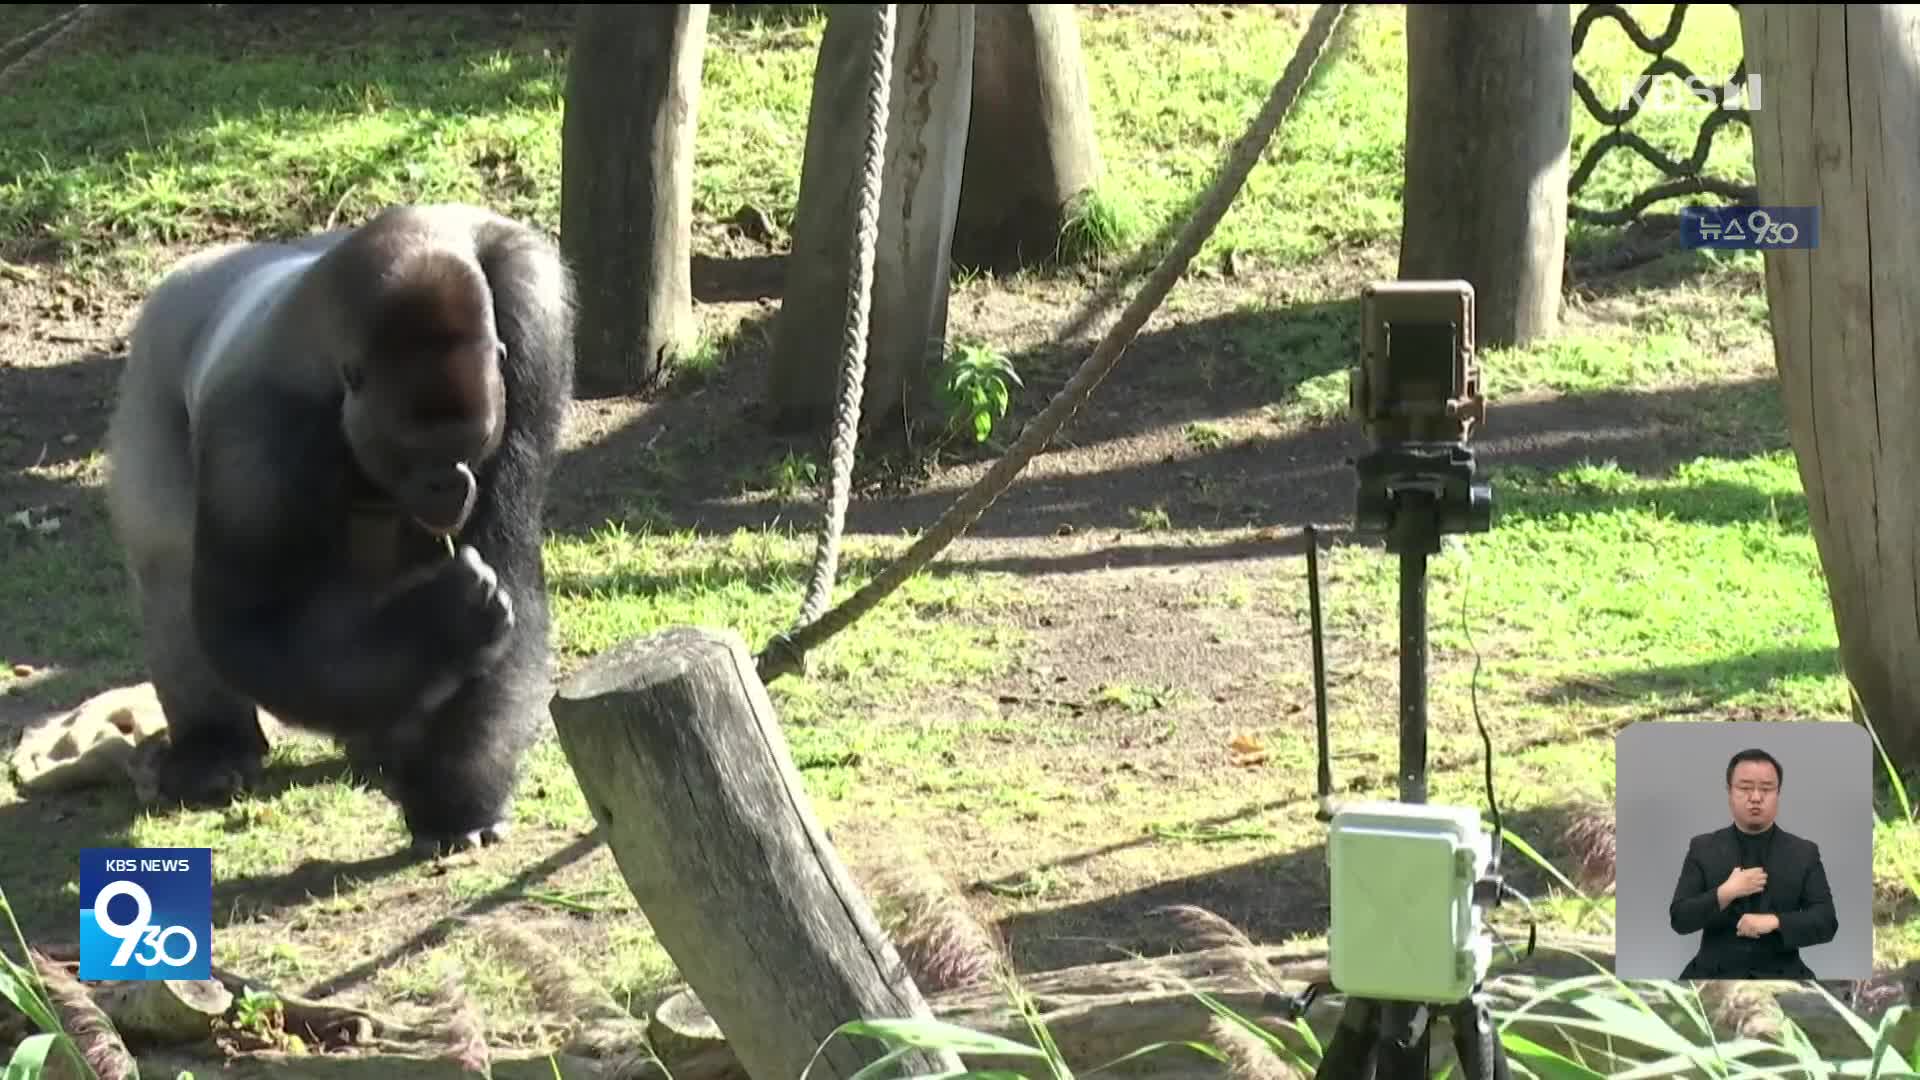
x=328 y=466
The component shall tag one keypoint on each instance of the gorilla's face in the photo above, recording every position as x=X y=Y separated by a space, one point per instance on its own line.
x=421 y=419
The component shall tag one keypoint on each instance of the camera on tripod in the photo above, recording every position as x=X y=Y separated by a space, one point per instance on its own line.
x=1416 y=394
x=1410 y=882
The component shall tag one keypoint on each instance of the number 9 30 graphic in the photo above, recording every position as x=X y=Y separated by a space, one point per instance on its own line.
x=1768 y=231
x=139 y=931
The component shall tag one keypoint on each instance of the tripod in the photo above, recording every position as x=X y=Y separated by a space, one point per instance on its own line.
x=1414 y=494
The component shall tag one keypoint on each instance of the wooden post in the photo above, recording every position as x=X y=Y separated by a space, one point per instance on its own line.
x=1489 y=112
x=1839 y=110
x=1031 y=144
x=677 y=749
x=926 y=150
x=626 y=188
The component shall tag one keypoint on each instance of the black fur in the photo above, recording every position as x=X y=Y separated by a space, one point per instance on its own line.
x=432 y=670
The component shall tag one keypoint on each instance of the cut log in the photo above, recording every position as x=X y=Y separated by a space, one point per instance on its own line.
x=1845 y=330
x=682 y=1028
x=680 y=756
x=1031 y=145
x=626 y=188
x=926 y=150
x=165 y=1011
x=1489 y=112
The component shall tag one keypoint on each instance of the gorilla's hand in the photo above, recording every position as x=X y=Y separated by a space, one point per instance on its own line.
x=463 y=599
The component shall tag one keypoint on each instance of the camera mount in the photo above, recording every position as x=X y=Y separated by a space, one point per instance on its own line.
x=1416 y=393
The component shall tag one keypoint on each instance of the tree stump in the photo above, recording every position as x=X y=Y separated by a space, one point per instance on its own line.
x=626 y=188
x=677 y=749
x=1031 y=145
x=1489 y=112
x=1834 y=136
x=926 y=149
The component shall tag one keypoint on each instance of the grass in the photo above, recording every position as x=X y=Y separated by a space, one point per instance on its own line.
x=1000 y=720
x=150 y=140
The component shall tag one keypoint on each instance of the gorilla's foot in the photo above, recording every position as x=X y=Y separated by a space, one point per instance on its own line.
x=208 y=771
x=434 y=845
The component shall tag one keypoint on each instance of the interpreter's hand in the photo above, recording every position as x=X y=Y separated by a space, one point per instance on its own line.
x=1756 y=925
x=1744 y=881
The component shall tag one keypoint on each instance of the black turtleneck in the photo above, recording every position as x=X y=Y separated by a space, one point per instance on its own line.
x=1753 y=852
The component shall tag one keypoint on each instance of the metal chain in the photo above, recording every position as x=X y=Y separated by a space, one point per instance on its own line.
x=1684 y=177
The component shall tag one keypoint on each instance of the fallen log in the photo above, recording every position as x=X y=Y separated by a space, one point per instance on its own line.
x=174 y=1011
x=381 y=1066
x=1099 y=1013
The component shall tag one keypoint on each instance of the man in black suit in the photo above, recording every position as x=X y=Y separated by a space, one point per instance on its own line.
x=1758 y=892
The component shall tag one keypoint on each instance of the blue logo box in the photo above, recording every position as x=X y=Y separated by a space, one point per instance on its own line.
x=1751 y=228
x=146 y=913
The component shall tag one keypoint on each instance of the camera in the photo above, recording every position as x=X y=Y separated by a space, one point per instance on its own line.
x=1416 y=394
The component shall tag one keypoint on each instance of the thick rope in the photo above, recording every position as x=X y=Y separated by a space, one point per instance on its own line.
x=853 y=338
x=784 y=656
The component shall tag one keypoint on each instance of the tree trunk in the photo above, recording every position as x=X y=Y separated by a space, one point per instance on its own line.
x=1845 y=330
x=1031 y=145
x=1489 y=111
x=926 y=145
x=626 y=188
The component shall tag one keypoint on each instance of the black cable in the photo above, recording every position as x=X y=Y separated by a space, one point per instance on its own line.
x=1486 y=741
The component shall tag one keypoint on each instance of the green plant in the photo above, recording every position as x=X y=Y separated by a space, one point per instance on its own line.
x=974 y=388
x=1097 y=224
x=21 y=985
x=257 y=1011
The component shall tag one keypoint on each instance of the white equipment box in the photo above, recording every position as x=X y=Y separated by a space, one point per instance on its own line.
x=1404 y=924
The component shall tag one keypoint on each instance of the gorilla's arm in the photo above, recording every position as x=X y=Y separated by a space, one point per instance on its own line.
x=275 y=604
x=532 y=305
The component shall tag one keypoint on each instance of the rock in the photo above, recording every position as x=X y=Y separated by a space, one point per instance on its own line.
x=91 y=744
x=103 y=741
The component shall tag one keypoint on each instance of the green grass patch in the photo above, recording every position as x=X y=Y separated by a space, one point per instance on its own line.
x=1601 y=596
x=200 y=125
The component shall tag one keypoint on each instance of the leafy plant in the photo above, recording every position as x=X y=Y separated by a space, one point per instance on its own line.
x=21 y=985
x=974 y=388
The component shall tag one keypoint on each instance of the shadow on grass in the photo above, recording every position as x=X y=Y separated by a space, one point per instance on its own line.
x=1709 y=682
x=435 y=933
x=1270 y=899
x=679 y=464
x=41 y=839
x=1177 y=387
x=1265 y=482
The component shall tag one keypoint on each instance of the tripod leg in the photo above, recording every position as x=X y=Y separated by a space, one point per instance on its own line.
x=1350 y=1053
x=1476 y=1043
x=1406 y=1036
